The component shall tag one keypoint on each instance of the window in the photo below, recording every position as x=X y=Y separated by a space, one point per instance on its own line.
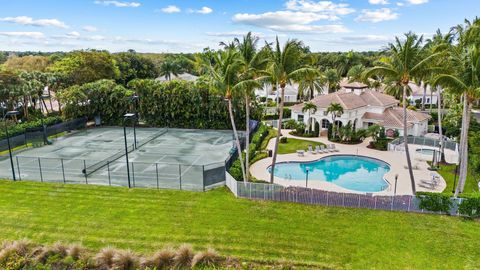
x=325 y=123
x=369 y=124
x=300 y=117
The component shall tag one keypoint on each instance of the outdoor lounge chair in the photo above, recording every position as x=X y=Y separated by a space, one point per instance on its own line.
x=317 y=149
x=301 y=153
x=310 y=149
x=323 y=150
x=333 y=148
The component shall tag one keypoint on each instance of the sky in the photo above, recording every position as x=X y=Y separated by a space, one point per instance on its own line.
x=190 y=25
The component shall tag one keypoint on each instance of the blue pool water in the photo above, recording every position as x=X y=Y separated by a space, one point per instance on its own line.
x=351 y=172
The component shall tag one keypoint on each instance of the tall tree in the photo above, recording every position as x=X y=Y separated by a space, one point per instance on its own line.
x=336 y=110
x=169 y=68
x=310 y=81
x=310 y=108
x=332 y=79
x=405 y=61
x=252 y=62
x=464 y=79
x=284 y=62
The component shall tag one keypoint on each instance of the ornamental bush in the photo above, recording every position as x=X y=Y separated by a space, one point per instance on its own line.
x=470 y=207
x=17 y=129
x=436 y=202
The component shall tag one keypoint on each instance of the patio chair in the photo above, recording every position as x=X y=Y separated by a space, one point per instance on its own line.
x=317 y=149
x=301 y=153
x=323 y=149
x=310 y=149
x=333 y=148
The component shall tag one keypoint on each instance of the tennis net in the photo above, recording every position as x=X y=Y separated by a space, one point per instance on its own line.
x=95 y=167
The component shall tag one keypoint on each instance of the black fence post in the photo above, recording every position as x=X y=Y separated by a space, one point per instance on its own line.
x=63 y=171
x=40 y=169
x=133 y=173
x=85 y=170
x=180 y=175
x=156 y=171
x=108 y=171
x=18 y=169
x=203 y=177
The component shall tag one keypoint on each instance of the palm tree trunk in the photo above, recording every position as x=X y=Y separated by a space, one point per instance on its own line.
x=431 y=100
x=247 y=139
x=405 y=137
x=467 y=107
x=440 y=131
x=424 y=97
x=237 y=140
x=279 y=132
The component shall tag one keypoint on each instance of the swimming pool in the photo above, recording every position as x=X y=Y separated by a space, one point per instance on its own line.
x=356 y=173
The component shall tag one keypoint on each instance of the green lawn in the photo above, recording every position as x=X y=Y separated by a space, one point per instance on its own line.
x=145 y=220
x=448 y=173
x=293 y=145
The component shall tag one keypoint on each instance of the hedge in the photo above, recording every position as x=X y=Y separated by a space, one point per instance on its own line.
x=17 y=129
x=436 y=202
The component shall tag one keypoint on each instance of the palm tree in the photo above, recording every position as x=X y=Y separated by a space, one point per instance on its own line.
x=309 y=82
x=336 y=110
x=406 y=60
x=464 y=79
x=311 y=109
x=223 y=78
x=332 y=79
x=251 y=64
x=169 y=68
x=346 y=61
x=355 y=73
x=284 y=62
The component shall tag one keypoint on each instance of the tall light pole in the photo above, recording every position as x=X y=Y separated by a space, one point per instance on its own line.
x=125 y=118
x=10 y=113
x=135 y=101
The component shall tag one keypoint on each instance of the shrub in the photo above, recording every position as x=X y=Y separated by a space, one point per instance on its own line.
x=436 y=202
x=163 y=259
x=316 y=130
x=283 y=140
x=290 y=124
x=470 y=207
x=17 y=129
x=75 y=251
x=287 y=112
x=183 y=257
x=208 y=258
x=104 y=258
x=125 y=260
x=300 y=129
x=57 y=251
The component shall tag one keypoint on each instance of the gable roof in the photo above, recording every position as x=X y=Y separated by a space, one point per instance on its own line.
x=393 y=117
x=350 y=100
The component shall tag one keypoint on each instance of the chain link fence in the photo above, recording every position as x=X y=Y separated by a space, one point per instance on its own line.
x=392 y=146
x=274 y=192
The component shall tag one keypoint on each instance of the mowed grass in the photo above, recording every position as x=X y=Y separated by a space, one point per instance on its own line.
x=292 y=145
x=448 y=173
x=145 y=220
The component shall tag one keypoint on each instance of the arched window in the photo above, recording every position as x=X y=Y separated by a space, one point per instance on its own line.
x=325 y=123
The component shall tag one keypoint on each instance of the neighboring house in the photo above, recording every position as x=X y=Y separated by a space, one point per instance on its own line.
x=417 y=94
x=291 y=93
x=362 y=108
x=183 y=76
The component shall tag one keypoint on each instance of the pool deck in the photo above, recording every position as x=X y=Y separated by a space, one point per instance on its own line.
x=396 y=160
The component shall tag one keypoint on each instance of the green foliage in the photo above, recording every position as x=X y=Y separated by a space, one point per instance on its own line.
x=185 y=104
x=17 y=129
x=287 y=113
x=283 y=140
x=290 y=124
x=103 y=97
x=316 y=130
x=436 y=202
x=134 y=66
x=300 y=128
x=87 y=66
x=470 y=207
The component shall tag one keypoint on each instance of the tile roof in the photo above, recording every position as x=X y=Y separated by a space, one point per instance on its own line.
x=350 y=100
x=393 y=117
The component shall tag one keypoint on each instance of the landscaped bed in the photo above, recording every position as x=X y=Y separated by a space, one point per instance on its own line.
x=145 y=220
x=292 y=145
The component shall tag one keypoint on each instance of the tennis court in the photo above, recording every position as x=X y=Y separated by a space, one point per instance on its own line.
x=163 y=158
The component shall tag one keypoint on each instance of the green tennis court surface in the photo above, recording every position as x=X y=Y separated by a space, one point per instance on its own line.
x=164 y=158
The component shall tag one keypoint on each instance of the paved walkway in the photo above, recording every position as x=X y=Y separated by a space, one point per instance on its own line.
x=397 y=161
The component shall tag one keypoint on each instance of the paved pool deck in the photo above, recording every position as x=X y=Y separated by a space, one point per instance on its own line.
x=396 y=159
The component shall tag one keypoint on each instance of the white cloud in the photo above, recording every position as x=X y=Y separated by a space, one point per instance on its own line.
x=400 y=4
x=325 y=7
x=378 y=2
x=417 y=2
x=203 y=10
x=73 y=34
x=232 y=34
x=24 y=20
x=377 y=15
x=117 y=3
x=89 y=28
x=290 y=21
x=170 y=9
x=35 y=35
x=379 y=40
